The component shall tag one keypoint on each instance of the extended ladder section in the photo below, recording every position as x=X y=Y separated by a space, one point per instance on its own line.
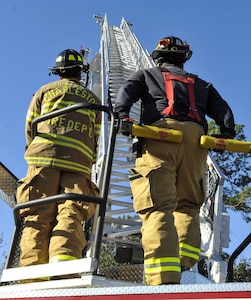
x=120 y=55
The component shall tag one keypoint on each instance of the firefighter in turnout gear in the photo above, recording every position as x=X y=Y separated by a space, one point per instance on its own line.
x=168 y=179
x=60 y=159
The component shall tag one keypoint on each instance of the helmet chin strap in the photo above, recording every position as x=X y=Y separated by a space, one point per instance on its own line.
x=163 y=61
x=163 y=64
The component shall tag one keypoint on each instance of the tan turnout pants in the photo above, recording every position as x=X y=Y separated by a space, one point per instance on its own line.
x=168 y=190
x=53 y=232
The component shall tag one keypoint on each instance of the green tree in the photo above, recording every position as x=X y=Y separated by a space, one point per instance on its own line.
x=236 y=167
x=107 y=254
x=242 y=270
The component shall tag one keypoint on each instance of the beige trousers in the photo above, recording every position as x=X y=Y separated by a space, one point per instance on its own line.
x=168 y=190
x=54 y=231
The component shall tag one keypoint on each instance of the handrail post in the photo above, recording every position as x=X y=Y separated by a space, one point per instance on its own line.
x=237 y=251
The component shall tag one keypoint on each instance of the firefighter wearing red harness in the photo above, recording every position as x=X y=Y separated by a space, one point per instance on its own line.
x=168 y=178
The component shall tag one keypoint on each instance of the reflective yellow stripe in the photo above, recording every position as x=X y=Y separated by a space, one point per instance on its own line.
x=189 y=251
x=164 y=264
x=58 y=163
x=52 y=106
x=97 y=129
x=71 y=57
x=31 y=115
x=57 y=139
x=162 y=269
x=62 y=257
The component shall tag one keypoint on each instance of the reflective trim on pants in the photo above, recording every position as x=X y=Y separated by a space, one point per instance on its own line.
x=164 y=264
x=189 y=251
x=62 y=257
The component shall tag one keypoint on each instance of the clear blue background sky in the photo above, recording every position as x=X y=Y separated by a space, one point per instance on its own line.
x=34 y=32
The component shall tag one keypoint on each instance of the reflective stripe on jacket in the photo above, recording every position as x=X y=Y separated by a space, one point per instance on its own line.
x=68 y=141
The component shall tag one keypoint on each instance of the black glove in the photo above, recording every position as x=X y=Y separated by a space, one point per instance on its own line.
x=126 y=126
x=223 y=135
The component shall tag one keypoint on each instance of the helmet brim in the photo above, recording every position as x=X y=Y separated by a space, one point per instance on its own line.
x=170 y=53
x=55 y=68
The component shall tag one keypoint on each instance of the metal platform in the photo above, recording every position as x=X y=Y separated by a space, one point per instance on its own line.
x=103 y=288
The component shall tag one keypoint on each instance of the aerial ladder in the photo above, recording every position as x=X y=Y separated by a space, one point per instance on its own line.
x=115 y=221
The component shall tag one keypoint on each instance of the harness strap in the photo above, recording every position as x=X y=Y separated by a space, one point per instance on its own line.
x=169 y=110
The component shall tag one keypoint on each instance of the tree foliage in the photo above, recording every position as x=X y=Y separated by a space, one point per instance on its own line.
x=236 y=167
x=107 y=254
x=242 y=270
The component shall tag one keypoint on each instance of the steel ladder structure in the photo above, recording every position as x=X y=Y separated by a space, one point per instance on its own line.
x=120 y=55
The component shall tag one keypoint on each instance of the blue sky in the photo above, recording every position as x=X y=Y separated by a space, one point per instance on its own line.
x=34 y=32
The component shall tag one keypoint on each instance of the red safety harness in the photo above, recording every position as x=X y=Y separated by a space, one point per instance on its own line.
x=169 y=110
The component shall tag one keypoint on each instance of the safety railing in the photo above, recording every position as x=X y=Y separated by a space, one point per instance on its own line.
x=236 y=253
